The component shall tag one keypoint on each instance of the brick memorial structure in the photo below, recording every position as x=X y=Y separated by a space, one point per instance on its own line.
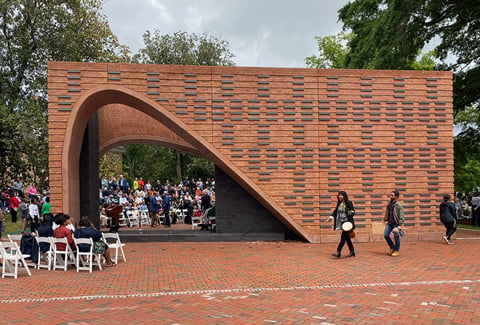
x=284 y=140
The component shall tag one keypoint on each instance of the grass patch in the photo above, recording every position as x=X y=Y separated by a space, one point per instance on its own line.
x=467 y=227
x=12 y=228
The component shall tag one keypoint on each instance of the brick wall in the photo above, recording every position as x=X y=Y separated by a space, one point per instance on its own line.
x=292 y=137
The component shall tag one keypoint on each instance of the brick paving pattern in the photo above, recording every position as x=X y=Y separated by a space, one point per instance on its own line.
x=258 y=283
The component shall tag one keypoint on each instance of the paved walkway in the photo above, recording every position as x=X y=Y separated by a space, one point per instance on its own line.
x=258 y=283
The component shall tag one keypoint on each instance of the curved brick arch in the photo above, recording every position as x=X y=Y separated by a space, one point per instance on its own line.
x=103 y=96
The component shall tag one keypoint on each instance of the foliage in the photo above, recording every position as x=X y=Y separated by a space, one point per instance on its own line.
x=183 y=48
x=154 y=163
x=111 y=165
x=389 y=34
x=333 y=50
x=33 y=32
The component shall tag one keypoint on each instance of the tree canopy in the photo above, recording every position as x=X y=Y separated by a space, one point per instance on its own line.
x=394 y=34
x=33 y=32
x=388 y=34
x=177 y=48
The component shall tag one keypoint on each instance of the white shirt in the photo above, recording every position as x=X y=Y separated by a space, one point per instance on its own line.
x=33 y=210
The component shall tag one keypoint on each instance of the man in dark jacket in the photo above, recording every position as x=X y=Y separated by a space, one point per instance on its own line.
x=448 y=218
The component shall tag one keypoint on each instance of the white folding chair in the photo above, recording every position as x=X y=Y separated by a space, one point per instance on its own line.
x=113 y=241
x=212 y=223
x=132 y=218
x=47 y=256
x=85 y=260
x=145 y=218
x=196 y=220
x=62 y=257
x=17 y=238
x=12 y=259
x=180 y=215
x=122 y=220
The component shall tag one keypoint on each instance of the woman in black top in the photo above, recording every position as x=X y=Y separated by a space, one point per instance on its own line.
x=344 y=211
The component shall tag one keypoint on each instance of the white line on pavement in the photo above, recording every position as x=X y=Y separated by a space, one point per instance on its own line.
x=207 y=293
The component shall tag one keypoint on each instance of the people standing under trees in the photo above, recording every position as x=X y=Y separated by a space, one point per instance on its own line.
x=18 y=187
x=448 y=218
x=141 y=184
x=34 y=213
x=32 y=191
x=394 y=217
x=476 y=209
x=24 y=212
x=46 y=206
x=342 y=215
x=14 y=207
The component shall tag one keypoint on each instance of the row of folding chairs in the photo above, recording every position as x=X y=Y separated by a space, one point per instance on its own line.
x=133 y=218
x=53 y=257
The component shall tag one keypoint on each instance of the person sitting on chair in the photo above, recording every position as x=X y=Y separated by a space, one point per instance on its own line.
x=210 y=212
x=86 y=230
x=62 y=230
x=45 y=230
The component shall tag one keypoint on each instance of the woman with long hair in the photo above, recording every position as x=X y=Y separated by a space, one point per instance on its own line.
x=343 y=213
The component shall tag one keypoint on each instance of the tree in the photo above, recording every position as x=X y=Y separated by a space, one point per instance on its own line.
x=333 y=50
x=176 y=48
x=388 y=34
x=33 y=32
x=183 y=48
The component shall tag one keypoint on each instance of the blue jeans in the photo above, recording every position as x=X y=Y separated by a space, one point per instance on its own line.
x=388 y=229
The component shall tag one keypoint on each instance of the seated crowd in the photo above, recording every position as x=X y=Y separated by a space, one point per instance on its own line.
x=61 y=226
x=190 y=195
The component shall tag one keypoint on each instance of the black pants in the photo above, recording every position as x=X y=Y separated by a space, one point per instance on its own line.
x=167 y=218
x=475 y=215
x=345 y=238
x=13 y=213
x=451 y=228
x=35 y=224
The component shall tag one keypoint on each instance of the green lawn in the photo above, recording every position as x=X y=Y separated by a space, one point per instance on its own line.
x=12 y=228
x=468 y=227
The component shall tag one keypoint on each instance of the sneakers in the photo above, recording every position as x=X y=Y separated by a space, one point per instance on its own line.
x=395 y=254
x=391 y=251
x=448 y=241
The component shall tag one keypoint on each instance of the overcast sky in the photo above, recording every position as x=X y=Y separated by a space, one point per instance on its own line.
x=261 y=33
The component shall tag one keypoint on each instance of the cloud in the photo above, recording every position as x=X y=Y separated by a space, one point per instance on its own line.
x=260 y=32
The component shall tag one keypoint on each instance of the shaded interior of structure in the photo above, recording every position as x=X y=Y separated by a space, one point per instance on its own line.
x=239 y=216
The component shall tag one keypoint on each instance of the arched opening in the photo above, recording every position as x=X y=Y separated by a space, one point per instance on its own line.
x=82 y=149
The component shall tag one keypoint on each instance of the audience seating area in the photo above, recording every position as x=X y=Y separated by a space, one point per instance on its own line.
x=14 y=257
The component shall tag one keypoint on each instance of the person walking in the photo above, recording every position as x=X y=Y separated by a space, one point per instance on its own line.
x=448 y=218
x=394 y=217
x=343 y=213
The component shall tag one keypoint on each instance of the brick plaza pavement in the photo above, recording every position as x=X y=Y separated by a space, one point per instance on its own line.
x=258 y=283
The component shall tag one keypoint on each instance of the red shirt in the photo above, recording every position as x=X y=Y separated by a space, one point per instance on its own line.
x=14 y=203
x=141 y=184
x=62 y=232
